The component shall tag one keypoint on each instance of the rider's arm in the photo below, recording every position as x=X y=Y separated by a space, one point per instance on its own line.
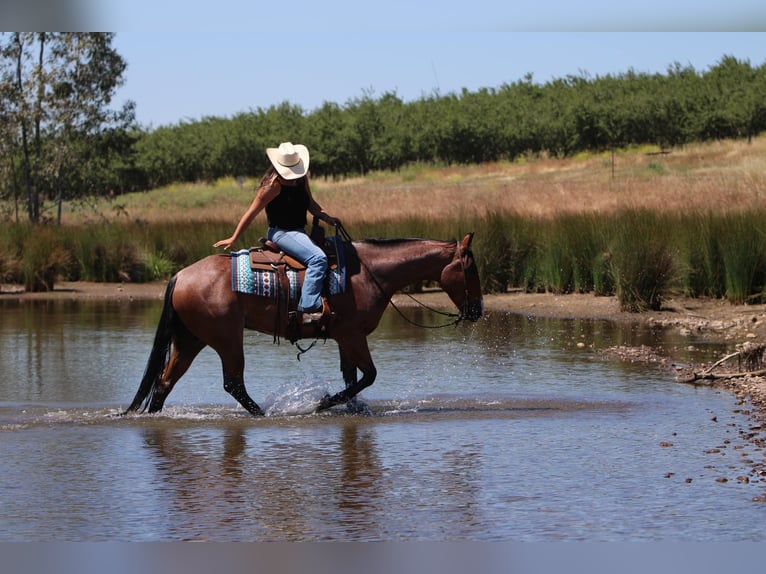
x=262 y=198
x=316 y=209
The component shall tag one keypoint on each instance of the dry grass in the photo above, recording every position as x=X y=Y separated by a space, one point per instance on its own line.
x=721 y=176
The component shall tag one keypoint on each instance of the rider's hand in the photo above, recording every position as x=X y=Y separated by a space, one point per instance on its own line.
x=225 y=243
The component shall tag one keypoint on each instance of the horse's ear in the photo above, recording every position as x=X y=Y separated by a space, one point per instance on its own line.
x=467 y=240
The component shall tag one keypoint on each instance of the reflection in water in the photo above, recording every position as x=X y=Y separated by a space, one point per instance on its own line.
x=500 y=332
x=360 y=494
x=303 y=488
x=199 y=479
x=71 y=350
x=320 y=482
x=95 y=352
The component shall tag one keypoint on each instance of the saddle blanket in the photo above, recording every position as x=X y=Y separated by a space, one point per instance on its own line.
x=264 y=283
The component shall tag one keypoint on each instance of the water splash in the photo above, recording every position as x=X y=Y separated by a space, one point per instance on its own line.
x=295 y=398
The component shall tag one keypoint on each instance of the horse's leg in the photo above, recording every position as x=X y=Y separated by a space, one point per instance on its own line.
x=353 y=355
x=185 y=349
x=234 y=384
x=349 y=370
x=233 y=361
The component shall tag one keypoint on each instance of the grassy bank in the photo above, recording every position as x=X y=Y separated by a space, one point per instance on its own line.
x=639 y=224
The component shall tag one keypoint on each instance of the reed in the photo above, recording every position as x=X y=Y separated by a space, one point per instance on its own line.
x=45 y=257
x=743 y=253
x=10 y=254
x=641 y=260
x=554 y=263
x=570 y=250
x=701 y=266
x=505 y=251
x=639 y=255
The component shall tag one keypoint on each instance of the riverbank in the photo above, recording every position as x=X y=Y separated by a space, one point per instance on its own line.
x=712 y=319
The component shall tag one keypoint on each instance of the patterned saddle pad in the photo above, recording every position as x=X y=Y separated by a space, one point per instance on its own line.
x=245 y=279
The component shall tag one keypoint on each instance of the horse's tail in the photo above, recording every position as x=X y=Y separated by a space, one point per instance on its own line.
x=158 y=358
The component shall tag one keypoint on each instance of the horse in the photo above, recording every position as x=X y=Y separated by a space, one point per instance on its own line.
x=201 y=309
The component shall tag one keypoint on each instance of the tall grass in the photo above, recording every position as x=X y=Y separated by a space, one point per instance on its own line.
x=105 y=252
x=570 y=253
x=638 y=255
x=642 y=260
x=505 y=248
x=701 y=266
x=743 y=252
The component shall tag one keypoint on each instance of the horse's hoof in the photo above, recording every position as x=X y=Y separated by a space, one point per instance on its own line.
x=256 y=411
x=358 y=407
x=325 y=403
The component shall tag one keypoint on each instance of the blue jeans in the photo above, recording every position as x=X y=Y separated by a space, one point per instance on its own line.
x=299 y=245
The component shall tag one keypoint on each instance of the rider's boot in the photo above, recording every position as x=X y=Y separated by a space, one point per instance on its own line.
x=317 y=316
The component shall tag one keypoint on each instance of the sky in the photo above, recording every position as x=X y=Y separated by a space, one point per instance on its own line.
x=190 y=60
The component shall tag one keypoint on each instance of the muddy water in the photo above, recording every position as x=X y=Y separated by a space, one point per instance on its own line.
x=503 y=430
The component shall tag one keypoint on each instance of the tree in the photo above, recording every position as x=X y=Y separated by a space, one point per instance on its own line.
x=56 y=91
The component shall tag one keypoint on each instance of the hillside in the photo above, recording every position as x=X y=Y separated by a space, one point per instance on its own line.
x=719 y=176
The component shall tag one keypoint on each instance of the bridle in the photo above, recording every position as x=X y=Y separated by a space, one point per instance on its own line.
x=457 y=318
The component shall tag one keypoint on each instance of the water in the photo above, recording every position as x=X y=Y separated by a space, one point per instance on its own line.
x=502 y=430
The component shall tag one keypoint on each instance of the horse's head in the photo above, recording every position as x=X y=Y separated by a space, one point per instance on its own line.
x=460 y=280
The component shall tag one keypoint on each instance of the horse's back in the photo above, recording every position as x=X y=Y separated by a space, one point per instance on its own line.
x=204 y=283
x=208 y=305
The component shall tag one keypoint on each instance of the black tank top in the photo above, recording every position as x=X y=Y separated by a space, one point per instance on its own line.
x=288 y=209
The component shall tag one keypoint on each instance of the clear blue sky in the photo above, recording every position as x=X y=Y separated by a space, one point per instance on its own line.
x=236 y=55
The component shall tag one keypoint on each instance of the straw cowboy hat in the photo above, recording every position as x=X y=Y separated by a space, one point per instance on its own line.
x=290 y=161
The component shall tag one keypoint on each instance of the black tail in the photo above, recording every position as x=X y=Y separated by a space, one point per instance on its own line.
x=159 y=355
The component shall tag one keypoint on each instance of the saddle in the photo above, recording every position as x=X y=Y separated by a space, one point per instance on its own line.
x=269 y=257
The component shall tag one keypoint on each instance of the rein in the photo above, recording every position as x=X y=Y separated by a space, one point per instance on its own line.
x=458 y=317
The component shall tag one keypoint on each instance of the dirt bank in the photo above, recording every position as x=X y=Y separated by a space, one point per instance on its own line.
x=88 y=290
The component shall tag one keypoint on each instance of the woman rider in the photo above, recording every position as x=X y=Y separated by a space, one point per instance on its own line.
x=285 y=194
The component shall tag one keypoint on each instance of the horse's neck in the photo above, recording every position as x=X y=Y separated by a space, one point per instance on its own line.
x=399 y=264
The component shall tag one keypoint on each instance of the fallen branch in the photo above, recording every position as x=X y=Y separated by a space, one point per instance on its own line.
x=721 y=362
x=751 y=353
x=708 y=376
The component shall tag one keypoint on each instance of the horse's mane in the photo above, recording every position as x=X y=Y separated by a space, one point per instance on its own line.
x=397 y=241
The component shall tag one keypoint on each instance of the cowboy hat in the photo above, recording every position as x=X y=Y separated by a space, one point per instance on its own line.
x=290 y=161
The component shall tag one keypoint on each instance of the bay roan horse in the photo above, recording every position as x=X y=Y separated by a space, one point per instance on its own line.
x=201 y=309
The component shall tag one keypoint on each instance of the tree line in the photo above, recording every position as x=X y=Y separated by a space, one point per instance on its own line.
x=561 y=117
x=60 y=139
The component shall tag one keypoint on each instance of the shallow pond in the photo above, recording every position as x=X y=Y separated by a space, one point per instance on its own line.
x=501 y=430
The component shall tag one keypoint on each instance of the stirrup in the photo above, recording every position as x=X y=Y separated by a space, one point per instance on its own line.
x=312 y=318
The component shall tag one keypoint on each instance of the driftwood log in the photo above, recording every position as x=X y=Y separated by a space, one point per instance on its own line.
x=750 y=363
